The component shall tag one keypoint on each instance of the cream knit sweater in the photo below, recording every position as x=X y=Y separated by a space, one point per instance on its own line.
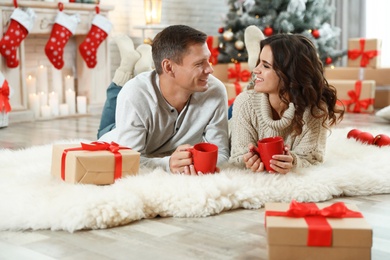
x=252 y=120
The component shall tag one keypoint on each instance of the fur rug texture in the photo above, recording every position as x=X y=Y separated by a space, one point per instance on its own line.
x=32 y=199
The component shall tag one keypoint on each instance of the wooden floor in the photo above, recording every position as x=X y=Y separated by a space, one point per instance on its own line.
x=235 y=234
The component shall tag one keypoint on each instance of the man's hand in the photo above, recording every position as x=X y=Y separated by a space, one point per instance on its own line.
x=181 y=160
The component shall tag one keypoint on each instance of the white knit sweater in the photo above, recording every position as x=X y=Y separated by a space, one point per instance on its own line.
x=252 y=120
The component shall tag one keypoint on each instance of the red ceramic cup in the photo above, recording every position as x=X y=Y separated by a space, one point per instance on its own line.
x=204 y=157
x=268 y=147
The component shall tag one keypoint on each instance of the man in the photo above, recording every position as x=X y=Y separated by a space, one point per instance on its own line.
x=164 y=112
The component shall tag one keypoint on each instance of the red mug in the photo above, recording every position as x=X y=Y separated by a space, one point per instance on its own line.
x=268 y=147
x=204 y=157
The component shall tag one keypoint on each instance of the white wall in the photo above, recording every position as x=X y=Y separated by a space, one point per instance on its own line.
x=377 y=21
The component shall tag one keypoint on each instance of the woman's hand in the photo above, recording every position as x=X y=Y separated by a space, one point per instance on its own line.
x=282 y=163
x=252 y=160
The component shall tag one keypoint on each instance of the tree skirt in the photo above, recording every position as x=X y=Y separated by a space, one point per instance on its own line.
x=32 y=199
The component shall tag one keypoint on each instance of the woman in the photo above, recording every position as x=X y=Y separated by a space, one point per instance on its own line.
x=291 y=98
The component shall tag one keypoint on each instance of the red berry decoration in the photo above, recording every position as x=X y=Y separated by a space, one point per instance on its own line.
x=221 y=29
x=382 y=140
x=328 y=60
x=315 y=33
x=353 y=133
x=268 y=31
x=365 y=137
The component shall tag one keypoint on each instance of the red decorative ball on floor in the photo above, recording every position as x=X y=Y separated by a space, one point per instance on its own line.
x=315 y=33
x=382 y=140
x=365 y=137
x=268 y=31
x=353 y=133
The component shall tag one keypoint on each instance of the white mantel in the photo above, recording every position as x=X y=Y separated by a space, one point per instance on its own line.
x=91 y=82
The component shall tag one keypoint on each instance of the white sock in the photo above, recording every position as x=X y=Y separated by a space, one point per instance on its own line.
x=129 y=57
x=252 y=36
x=145 y=63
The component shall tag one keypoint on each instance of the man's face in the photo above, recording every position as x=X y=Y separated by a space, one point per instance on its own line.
x=192 y=75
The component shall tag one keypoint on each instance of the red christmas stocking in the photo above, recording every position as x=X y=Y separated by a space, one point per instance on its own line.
x=21 y=23
x=64 y=27
x=100 y=28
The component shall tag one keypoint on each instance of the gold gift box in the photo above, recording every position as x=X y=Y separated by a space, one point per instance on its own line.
x=92 y=167
x=287 y=237
x=369 y=45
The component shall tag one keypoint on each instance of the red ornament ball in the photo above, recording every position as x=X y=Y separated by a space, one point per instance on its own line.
x=221 y=30
x=328 y=60
x=382 y=140
x=315 y=33
x=365 y=137
x=268 y=31
x=353 y=133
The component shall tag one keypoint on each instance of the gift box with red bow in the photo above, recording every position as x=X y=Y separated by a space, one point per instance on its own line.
x=94 y=163
x=364 y=53
x=316 y=231
x=357 y=96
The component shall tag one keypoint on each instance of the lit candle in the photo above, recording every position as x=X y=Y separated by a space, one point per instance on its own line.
x=45 y=111
x=31 y=83
x=33 y=101
x=70 y=97
x=42 y=82
x=81 y=104
x=64 y=110
x=69 y=82
x=43 y=98
x=54 y=103
x=56 y=79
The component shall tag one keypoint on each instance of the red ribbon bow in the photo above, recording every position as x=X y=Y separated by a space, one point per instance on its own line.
x=366 y=55
x=320 y=231
x=214 y=51
x=238 y=89
x=355 y=96
x=236 y=73
x=98 y=146
x=4 y=97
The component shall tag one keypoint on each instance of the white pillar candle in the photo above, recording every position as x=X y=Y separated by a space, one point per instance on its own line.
x=43 y=98
x=42 y=82
x=33 y=101
x=54 y=103
x=69 y=82
x=81 y=104
x=45 y=111
x=64 y=110
x=70 y=97
x=31 y=83
x=56 y=79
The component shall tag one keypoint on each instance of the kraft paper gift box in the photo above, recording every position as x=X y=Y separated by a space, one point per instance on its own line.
x=348 y=236
x=364 y=52
x=356 y=99
x=221 y=71
x=380 y=75
x=3 y=119
x=238 y=72
x=92 y=167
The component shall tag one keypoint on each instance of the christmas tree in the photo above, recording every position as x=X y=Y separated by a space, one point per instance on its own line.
x=307 y=17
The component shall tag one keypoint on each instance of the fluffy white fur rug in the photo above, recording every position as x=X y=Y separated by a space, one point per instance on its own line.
x=32 y=199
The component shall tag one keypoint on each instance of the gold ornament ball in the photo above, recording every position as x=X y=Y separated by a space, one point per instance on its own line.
x=148 y=41
x=228 y=36
x=239 y=45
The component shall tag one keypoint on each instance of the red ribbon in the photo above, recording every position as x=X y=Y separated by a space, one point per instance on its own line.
x=366 y=55
x=319 y=229
x=355 y=96
x=214 y=51
x=97 y=146
x=238 y=90
x=236 y=73
x=4 y=97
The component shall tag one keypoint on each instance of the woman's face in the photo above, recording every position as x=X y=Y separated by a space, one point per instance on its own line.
x=267 y=81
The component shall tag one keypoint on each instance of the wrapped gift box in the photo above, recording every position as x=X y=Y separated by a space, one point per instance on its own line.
x=292 y=237
x=233 y=90
x=221 y=71
x=212 y=44
x=348 y=94
x=364 y=53
x=92 y=167
x=227 y=72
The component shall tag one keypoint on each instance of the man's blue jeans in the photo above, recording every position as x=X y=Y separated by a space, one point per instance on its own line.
x=107 y=121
